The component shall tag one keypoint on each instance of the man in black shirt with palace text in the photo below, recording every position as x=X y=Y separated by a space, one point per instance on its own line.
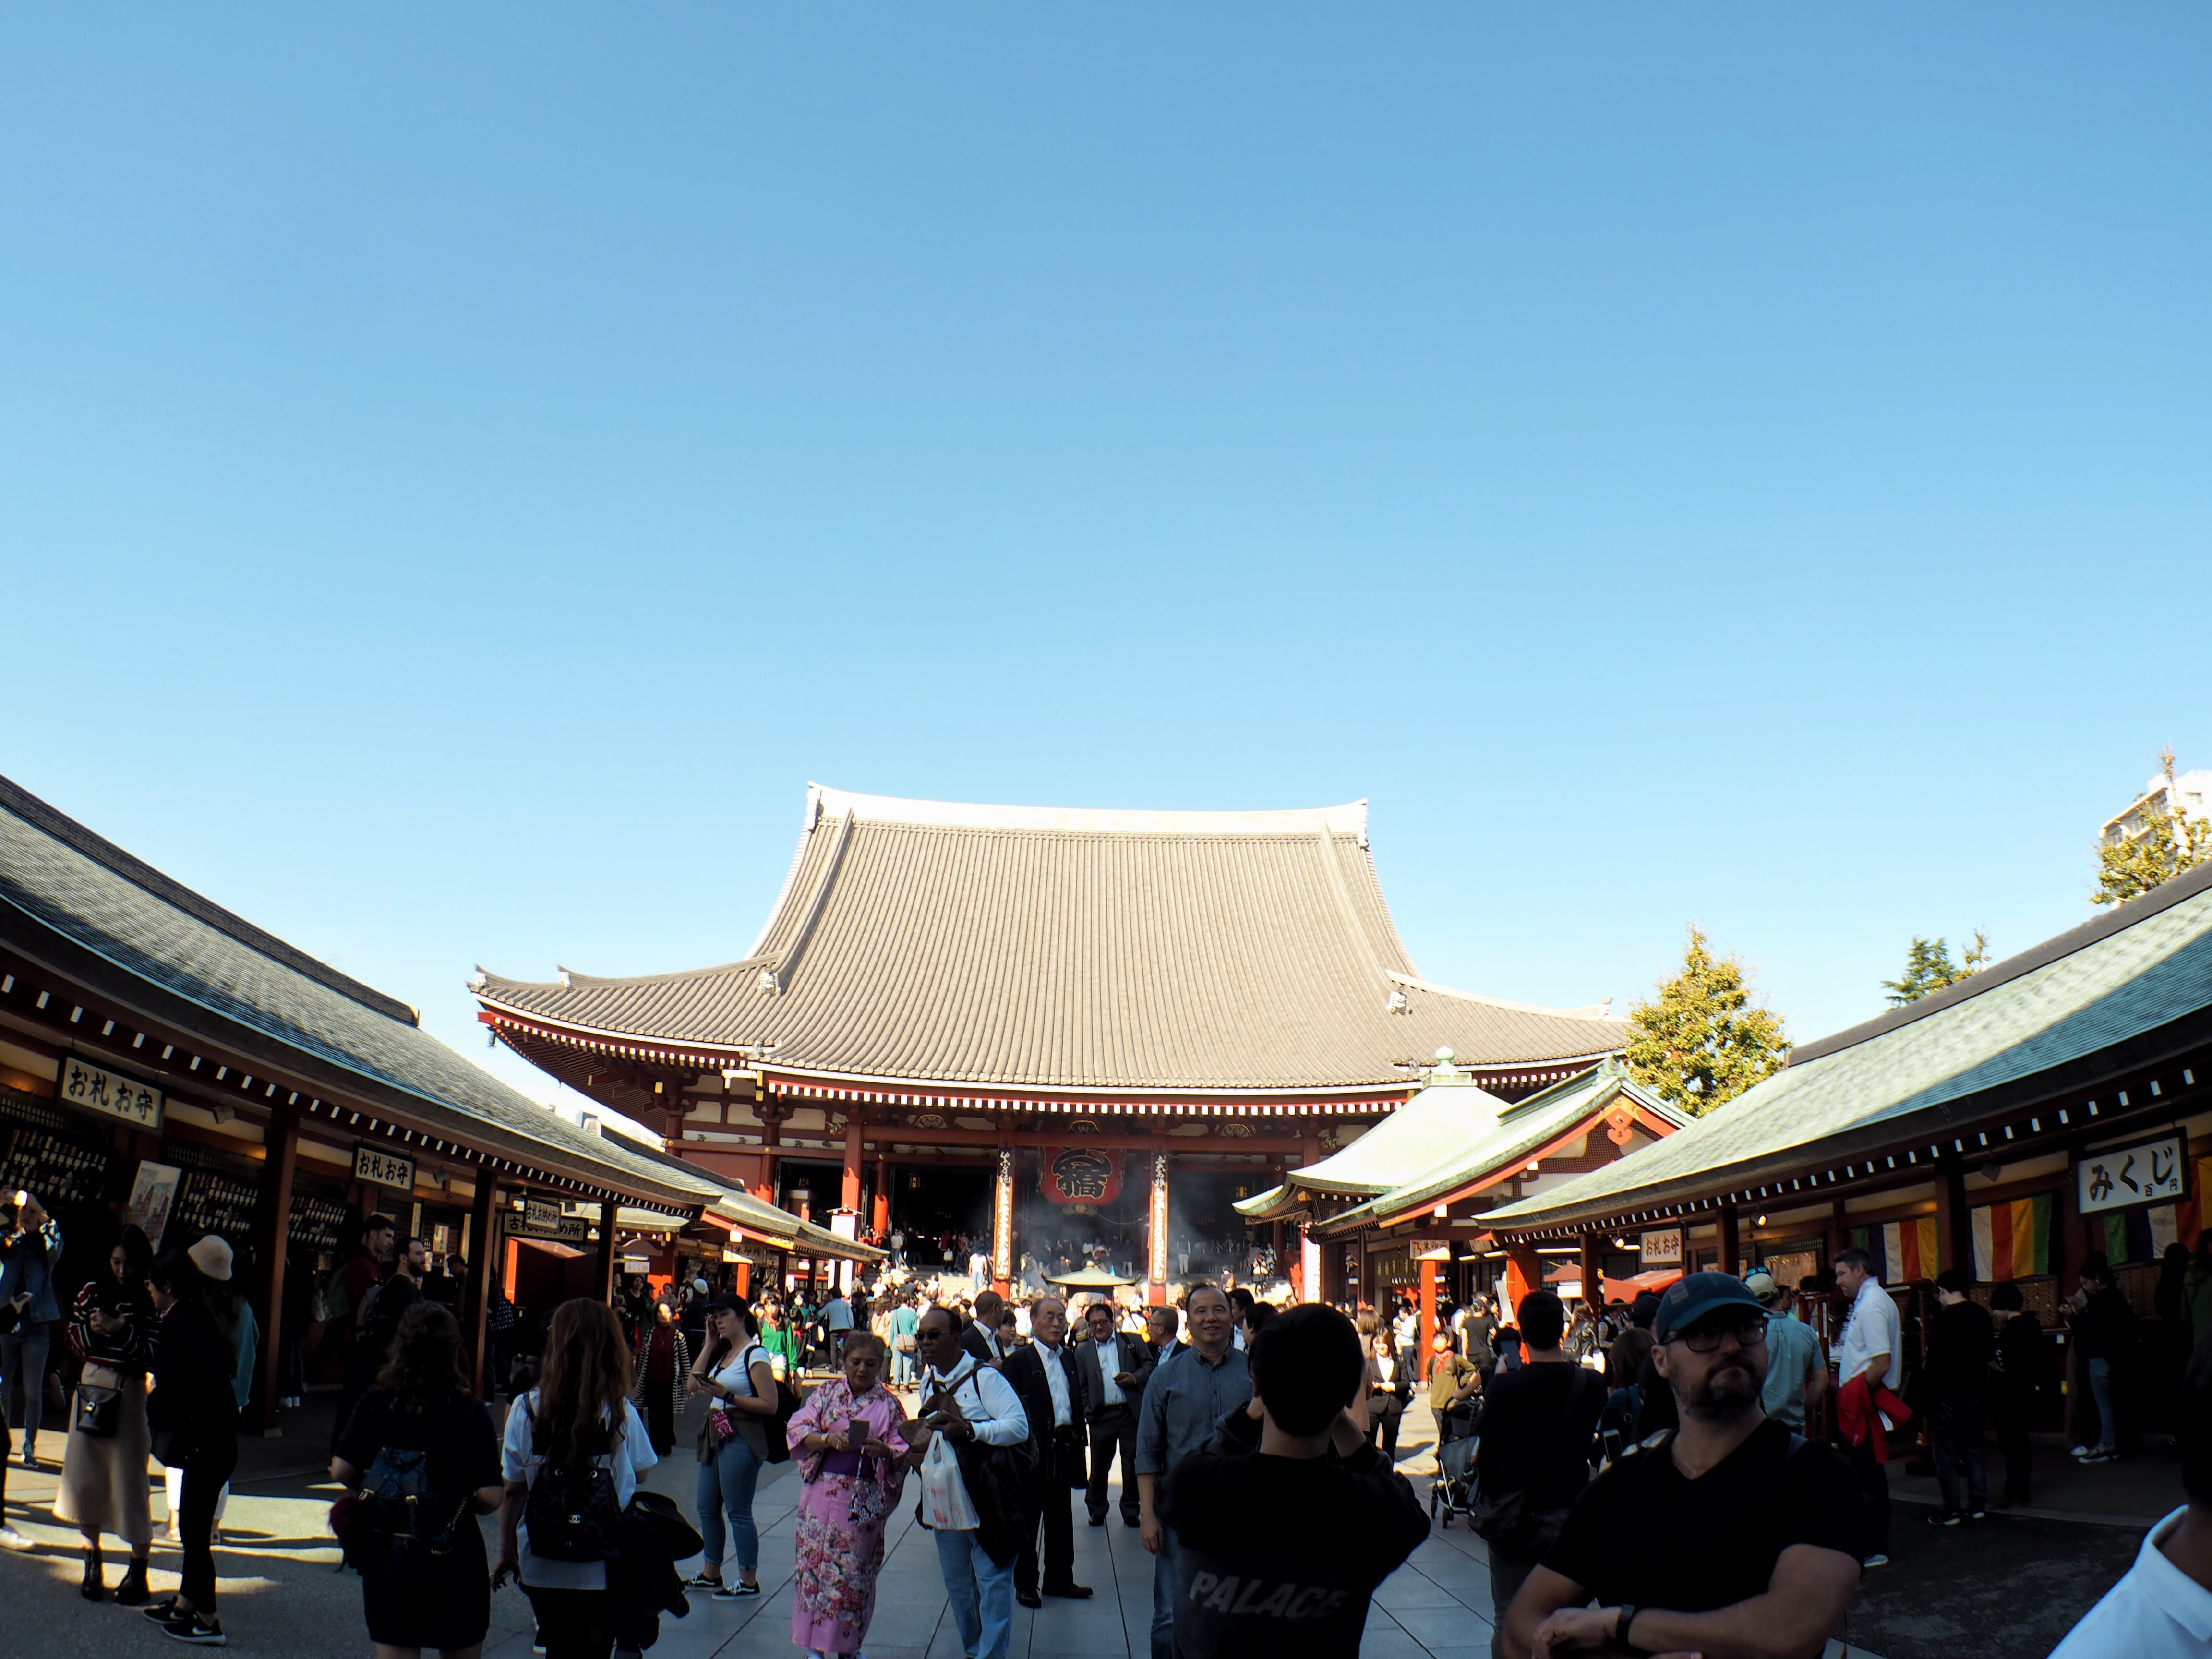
x=1287 y=1518
x=1730 y=1536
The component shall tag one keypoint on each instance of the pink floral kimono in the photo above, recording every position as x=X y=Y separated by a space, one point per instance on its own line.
x=842 y=1510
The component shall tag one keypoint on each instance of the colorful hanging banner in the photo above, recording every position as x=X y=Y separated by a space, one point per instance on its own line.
x=2013 y=1240
x=2135 y=1235
x=1904 y=1252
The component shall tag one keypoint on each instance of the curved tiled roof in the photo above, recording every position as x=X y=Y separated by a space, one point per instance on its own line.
x=1037 y=946
x=58 y=880
x=2122 y=976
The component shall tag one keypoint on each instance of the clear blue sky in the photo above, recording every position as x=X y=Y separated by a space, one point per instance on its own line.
x=463 y=471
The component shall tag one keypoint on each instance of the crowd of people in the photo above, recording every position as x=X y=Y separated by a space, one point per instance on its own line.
x=1255 y=1444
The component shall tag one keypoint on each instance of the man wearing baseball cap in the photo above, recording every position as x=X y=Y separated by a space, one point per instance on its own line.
x=1756 y=1548
x=1797 y=1375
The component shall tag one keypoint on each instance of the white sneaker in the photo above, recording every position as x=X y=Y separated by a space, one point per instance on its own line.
x=12 y=1540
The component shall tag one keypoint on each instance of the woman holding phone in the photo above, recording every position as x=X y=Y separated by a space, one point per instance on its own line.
x=103 y=1488
x=847 y=1435
x=733 y=1372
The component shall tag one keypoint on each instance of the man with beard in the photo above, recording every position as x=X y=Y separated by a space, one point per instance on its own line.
x=1730 y=1536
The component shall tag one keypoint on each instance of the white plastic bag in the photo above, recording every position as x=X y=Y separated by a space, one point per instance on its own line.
x=944 y=1502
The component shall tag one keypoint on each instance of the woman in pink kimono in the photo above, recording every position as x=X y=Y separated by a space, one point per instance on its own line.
x=847 y=1437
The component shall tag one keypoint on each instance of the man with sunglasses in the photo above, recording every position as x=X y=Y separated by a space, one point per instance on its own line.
x=1730 y=1535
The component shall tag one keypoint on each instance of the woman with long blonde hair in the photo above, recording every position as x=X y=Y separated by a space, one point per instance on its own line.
x=576 y=1440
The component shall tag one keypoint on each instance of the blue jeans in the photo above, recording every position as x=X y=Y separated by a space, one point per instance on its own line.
x=1164 y=1597
x=902 y=1366
x=1958 y=1433
x=726 y=1487
x=23 y=1364
x=2100 y=1387
x=981 y=1593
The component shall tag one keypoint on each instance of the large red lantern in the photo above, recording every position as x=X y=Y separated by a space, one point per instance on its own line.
x=1079 y=1175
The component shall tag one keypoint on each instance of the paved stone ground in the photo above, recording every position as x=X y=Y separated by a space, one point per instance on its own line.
x=2007 y=1587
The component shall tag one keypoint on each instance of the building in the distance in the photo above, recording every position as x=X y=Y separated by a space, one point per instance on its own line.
x=2164 y=796
x=1061 y=1031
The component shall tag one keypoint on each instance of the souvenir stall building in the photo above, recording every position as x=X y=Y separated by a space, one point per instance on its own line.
x=1125 y=1013
x=167 y=1062
x=2053 y=1105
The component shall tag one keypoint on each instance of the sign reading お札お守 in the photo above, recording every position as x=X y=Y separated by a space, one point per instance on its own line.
x=2148 y=1172
x=1663 y=1249
x=136 y=1104
x=379 y=1167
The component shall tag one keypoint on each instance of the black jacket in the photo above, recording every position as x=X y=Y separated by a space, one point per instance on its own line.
x=1132 y=1354
x=1962 y=1339
x=191 y=1409
x=1025 y=1369
x=975 y=1341
x=2106 y=1327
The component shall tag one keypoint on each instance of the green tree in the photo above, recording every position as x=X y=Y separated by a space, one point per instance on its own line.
x=1702 y=1040
x=2167 y=844
x=1929 y=967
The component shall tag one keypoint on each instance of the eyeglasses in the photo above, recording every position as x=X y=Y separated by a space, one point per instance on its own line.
x=1748 y=1335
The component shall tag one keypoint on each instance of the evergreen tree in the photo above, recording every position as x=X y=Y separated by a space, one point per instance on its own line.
x=2169 y=844
x=1702 y=1040
x=1929 y=967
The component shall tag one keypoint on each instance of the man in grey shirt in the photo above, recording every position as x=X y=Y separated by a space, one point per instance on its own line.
x=1796 y=1377
x=1191 y=1391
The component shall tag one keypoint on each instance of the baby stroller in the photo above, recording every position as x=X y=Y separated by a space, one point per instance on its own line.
x=1452 y=1491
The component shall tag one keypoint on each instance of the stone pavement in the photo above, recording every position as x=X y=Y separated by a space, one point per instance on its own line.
x=281 y=1593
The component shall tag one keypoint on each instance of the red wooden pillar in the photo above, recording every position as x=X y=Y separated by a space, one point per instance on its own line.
x=771 y=1116
x=1731 y=1241
x=477 y=1298
x=1002 y=1222
x=283 y=1143
x=879 y=1219
x=848 y=1191
x=1155 y=1232
x=1428 y=1317
x=1524 y=1272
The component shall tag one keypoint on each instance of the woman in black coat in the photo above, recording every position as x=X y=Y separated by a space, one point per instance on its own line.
x=193 y=1413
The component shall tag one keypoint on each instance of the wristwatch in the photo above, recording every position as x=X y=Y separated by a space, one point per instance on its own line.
x=1620 y=1623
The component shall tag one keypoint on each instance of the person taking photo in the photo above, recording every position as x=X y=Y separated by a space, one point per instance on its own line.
x=30 y=1250
x=1287 y=1518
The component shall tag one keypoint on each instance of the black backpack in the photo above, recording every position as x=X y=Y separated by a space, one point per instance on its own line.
x=572 y=1514
x=405 y=1524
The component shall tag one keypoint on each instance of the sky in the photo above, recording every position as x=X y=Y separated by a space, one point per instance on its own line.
x=464 y=471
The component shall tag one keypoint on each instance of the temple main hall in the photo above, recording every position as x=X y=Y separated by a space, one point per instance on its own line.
x=1051 y=1032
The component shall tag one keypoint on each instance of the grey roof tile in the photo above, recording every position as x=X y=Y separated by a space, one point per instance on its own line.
x=1019 y=946
x=2119 y=978
x=59 y=875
